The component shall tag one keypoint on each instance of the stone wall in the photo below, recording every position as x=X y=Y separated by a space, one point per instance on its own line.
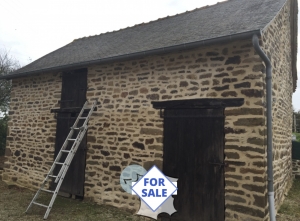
x=277 y=45
x=126 y=130
x=32 y=129
x=296 y=168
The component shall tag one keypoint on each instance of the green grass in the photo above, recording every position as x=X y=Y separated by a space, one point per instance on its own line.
x=14 y=201
x=291 y=205
x=297 y=136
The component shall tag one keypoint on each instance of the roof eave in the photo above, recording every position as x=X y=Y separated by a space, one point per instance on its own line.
x=164 y=50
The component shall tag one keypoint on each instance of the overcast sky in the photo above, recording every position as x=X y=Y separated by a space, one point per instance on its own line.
x=32 y=28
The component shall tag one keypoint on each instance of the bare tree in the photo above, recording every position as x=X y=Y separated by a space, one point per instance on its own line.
x=7 y=65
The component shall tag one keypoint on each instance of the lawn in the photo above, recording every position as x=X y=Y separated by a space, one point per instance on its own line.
x=14 y=201
x=290 y=209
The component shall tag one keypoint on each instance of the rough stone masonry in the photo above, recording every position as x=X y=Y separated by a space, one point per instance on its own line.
x=296 y=168
x=126 y=130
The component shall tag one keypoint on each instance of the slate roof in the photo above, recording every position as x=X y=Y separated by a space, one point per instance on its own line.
x=232 y=17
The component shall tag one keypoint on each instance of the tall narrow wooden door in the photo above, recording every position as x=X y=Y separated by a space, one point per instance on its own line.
x=73 y=96
x=194 y=153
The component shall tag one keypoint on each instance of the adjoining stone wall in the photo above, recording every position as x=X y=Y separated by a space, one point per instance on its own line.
x=277 y=45
x=32 y=129
x=296 y=168
x=127 y=130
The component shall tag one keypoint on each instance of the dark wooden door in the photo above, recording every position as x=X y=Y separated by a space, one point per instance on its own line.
x=193 y=142
x=73 y=96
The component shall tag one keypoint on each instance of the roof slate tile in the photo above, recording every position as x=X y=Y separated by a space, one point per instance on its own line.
x=223 y=19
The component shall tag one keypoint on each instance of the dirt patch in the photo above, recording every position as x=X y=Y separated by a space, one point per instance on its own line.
x=14 y=201
x=289 y=210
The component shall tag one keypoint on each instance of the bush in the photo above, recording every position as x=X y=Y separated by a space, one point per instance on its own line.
x=3 y=130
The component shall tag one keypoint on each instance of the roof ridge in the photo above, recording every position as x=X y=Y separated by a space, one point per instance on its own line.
x=159 y=19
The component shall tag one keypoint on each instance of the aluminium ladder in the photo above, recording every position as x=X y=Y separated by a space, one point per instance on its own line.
x=70 y=154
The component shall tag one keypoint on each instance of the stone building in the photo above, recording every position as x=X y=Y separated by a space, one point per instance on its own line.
x=186 y=93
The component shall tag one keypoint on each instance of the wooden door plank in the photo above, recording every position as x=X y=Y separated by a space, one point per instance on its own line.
x=74 y=86
x=190 y=144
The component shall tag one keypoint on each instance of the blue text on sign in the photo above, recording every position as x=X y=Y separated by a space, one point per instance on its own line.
x=153 y=182
x=156 y=193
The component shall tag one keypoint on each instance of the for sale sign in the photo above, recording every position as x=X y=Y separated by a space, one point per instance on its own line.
x=154 y=188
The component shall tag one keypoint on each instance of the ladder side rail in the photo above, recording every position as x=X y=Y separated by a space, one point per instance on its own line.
x=35 y=196
x=59 y=155
x=72 y=130
x=51 y=171
x=78 y=142
x=80 y=132
x=65 y=144
x=79 y=115
x=61 y=178
x=67 y=160
x=89 y=114
x=80 y=136
x=66 y=164
x=72 y=154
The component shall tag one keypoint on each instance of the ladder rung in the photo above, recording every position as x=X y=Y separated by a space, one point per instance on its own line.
x=49 y=191
x=52 y=176
x=76 y=128
x=59 y=163
x=82 y=117
x=65 y=151
x=71 y=139
x=39 y=204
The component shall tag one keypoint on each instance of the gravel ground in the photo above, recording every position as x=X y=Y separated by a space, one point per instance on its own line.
x=14 y=201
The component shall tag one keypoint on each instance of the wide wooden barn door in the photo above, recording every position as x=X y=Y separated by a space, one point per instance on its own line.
x=73 y=96
x=194 y=153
